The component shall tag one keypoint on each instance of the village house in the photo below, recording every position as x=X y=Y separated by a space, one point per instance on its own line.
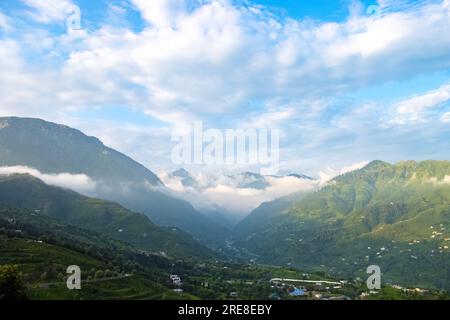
x=176 y=280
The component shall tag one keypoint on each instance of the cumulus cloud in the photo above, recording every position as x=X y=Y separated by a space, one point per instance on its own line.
x=162 y=13
x=213 y=59
x=417 y=108
x=77 y=182
x=220 y=55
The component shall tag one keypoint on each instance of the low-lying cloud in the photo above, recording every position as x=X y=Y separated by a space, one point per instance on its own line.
x=238 y=196
x=77 y=182
x=217 y=192
x=330 y=173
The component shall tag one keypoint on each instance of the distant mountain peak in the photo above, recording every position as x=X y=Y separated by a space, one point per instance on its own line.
x=376 y=164
x=251 y=174
x=397 y=208
x=182 y=173
x=186 y=178
x=300 y=176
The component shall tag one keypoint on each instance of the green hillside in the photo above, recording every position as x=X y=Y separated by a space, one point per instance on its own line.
x=105 y=217
x=396 y=216
x=262 y=216
x=42 y=248
x=53 y=148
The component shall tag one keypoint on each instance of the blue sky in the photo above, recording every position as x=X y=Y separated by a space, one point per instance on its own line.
x=342 y=84
x=331 y=10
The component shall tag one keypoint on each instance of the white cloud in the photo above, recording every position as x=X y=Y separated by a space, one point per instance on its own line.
x=77 y=182
x=445 y=117
x=162 y=13
x=5 y=23
x=330 y=173
x=271 y=118
x=215 y=191
x=219 y=56
x=416 y=109
x=48 y=11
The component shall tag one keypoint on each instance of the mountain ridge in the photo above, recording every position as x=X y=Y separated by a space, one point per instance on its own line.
x=402 y=209
x=109 y=218
x=54 y=148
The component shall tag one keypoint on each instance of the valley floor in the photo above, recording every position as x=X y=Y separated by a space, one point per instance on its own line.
x=41 y=267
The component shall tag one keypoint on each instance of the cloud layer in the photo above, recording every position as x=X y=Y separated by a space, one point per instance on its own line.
x=214 y=190
x=77 y=182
